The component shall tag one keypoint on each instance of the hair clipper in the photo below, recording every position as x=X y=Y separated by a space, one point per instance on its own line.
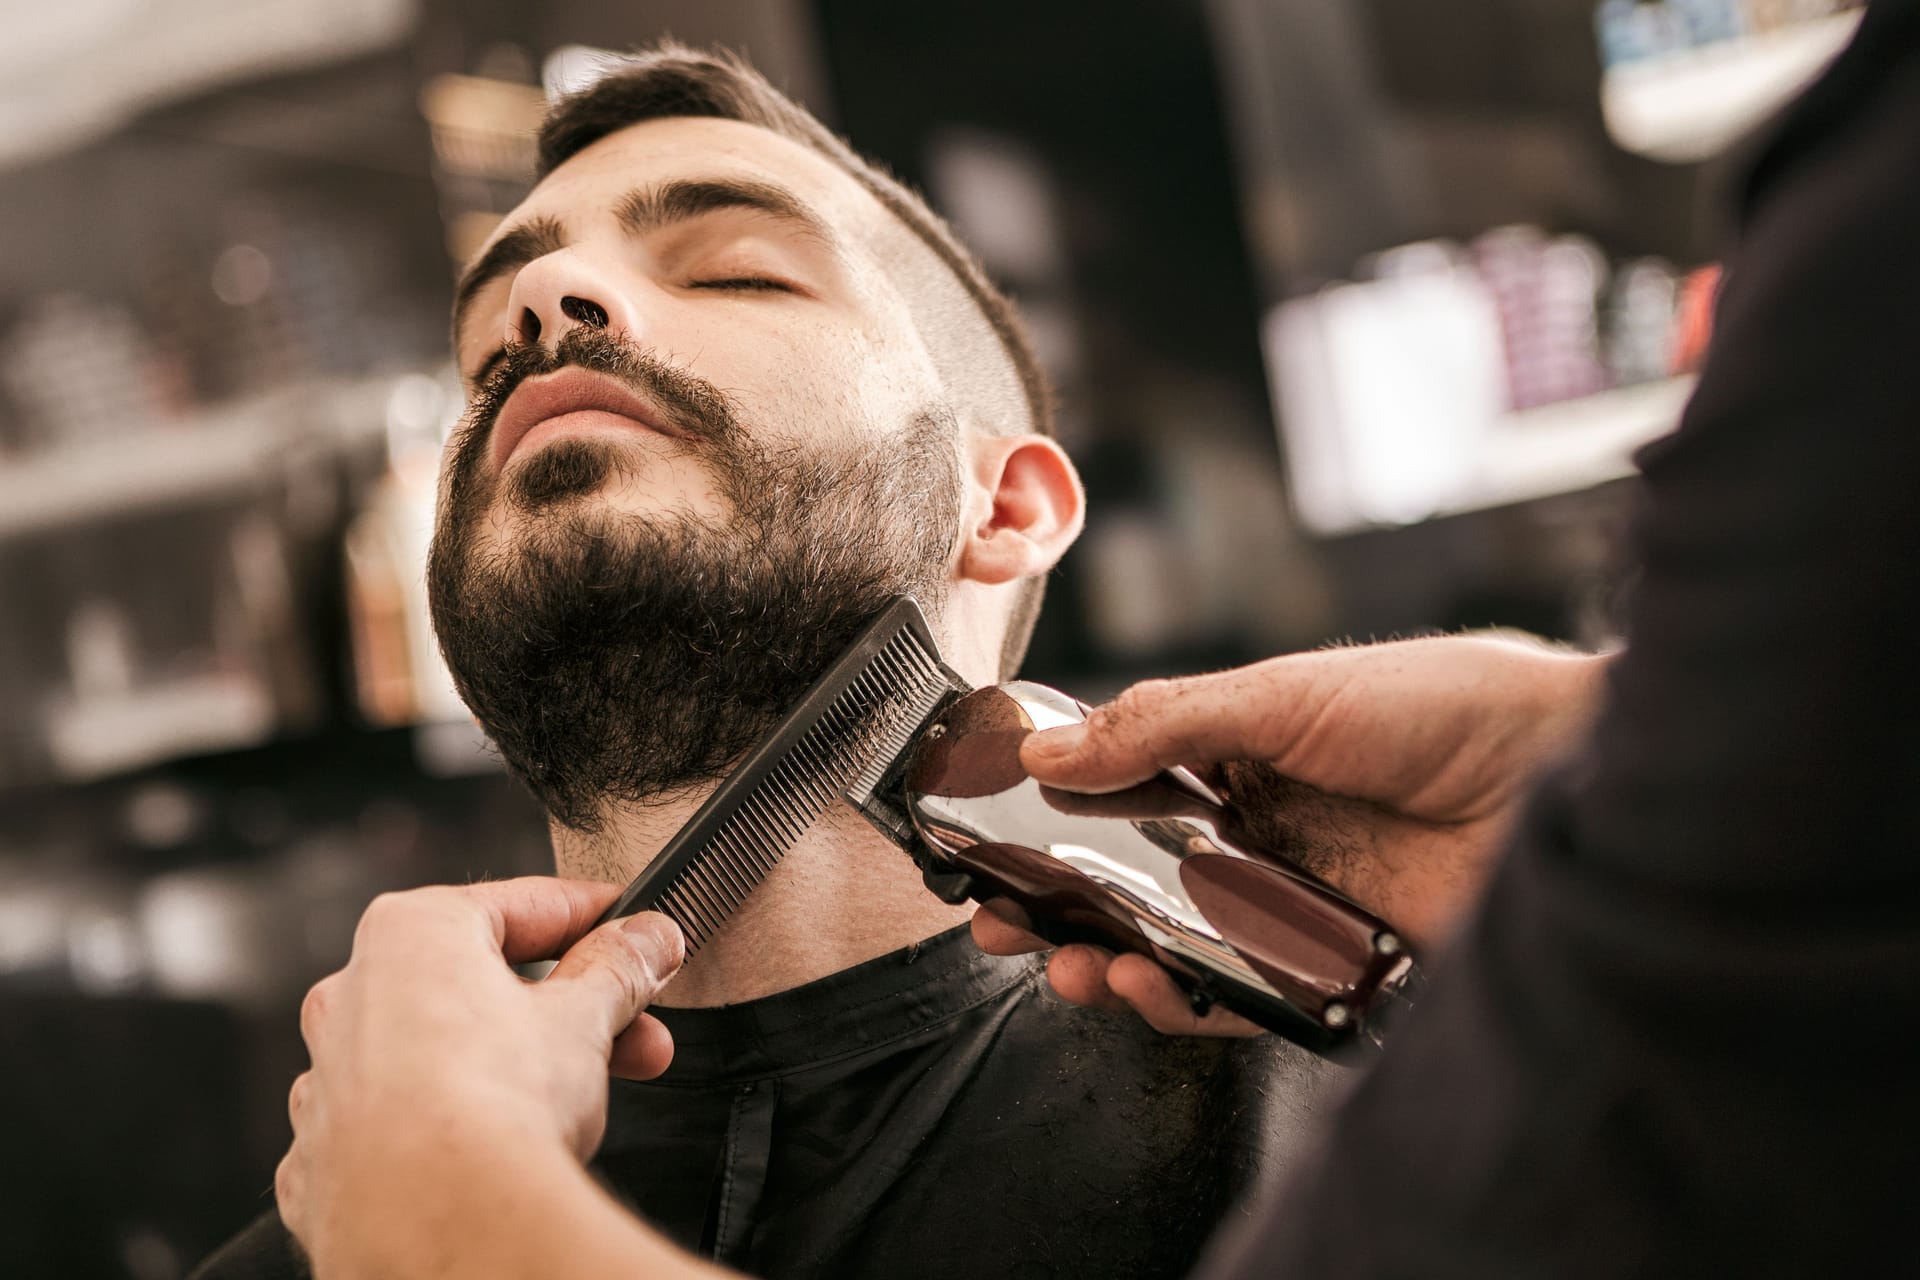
x=1164 y=868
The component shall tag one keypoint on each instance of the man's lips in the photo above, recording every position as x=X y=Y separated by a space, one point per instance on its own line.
x=572 y=391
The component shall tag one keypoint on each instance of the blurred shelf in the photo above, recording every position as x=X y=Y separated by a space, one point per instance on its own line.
x=76 y=71
x=1565 y=448
x=186 y=717
x=227 y=450
x=1689 y=106
x=150 y=468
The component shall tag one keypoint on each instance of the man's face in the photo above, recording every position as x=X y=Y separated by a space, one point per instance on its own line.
x=704 y=443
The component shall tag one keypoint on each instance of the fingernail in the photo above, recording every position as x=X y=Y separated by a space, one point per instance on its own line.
x=659 y=937
x=1063 y=741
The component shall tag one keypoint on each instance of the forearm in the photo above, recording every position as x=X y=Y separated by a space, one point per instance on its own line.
x=485 y=1204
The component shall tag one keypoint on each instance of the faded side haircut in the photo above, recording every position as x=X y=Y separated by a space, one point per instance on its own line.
x=972 y=330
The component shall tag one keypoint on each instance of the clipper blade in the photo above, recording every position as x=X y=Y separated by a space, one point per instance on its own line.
x=839 y=741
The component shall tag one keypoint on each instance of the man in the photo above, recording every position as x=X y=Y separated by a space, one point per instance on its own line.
x=1673 y=1037
x=732 y=388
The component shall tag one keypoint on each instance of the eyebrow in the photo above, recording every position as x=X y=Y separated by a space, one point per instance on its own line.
x=642 y=210
x=651 y=208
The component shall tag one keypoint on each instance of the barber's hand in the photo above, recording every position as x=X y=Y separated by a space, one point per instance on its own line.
x=1391 y=771
x=429 y=1052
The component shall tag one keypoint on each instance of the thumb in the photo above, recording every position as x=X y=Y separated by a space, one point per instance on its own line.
x=1243 y=714
x=612 y=974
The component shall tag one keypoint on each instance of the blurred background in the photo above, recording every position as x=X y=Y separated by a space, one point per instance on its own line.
x=1358 y=309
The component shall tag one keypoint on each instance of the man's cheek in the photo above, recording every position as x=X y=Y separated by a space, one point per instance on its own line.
x=812 y=393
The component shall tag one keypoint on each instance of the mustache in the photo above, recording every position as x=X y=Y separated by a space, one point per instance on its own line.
x=693 y=404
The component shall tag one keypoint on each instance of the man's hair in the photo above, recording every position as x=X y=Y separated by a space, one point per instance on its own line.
x=671 y=80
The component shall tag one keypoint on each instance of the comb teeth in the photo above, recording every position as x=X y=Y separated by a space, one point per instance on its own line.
x=840 y=740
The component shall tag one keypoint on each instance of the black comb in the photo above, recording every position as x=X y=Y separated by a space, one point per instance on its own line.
x=839 y=739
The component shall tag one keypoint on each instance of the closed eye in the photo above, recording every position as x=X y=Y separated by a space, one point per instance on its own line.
x=747 y=283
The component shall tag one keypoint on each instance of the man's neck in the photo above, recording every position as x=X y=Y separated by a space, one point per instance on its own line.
x=842 y=895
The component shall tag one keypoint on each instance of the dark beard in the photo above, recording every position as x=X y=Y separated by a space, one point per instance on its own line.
x=614 y=657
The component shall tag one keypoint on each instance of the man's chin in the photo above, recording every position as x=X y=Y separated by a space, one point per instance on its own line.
x=537 y=509
x=563 y=471
x=613 y=517
x=588 y=476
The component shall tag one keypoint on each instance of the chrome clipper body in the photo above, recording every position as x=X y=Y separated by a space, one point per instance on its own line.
x=1162 y=868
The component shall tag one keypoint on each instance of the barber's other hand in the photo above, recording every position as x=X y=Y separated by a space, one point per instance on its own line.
x=428 y=1051
x=1392 y=771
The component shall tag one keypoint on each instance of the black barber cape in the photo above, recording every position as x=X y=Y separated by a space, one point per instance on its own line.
x=1677 y=1040
x=935 y=1112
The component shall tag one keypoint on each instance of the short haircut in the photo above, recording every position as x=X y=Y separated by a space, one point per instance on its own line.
x=672 y=80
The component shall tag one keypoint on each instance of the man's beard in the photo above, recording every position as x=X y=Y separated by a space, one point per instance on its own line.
x=615 y=657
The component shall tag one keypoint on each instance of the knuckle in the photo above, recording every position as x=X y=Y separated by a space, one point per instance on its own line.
x=635 y=971
x=386 y=905
x=378 y=917
x=676 y=943
x=313 y=1008
x=1143 y=701
x=1112 y=718
x=620 y=961
x=283 y=1185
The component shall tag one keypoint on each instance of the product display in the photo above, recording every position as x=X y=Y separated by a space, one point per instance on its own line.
x=1409 y=394
x=1632 y=30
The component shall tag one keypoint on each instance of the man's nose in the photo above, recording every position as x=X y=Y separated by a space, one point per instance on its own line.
x=556 y=293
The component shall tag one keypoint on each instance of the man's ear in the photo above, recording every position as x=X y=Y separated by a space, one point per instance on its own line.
x=1025 y=510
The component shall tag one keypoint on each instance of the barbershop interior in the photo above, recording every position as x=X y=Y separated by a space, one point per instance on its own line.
x=1356 y=312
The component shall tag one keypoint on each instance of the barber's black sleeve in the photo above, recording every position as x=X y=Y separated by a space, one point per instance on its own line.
x=1674 y=1041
